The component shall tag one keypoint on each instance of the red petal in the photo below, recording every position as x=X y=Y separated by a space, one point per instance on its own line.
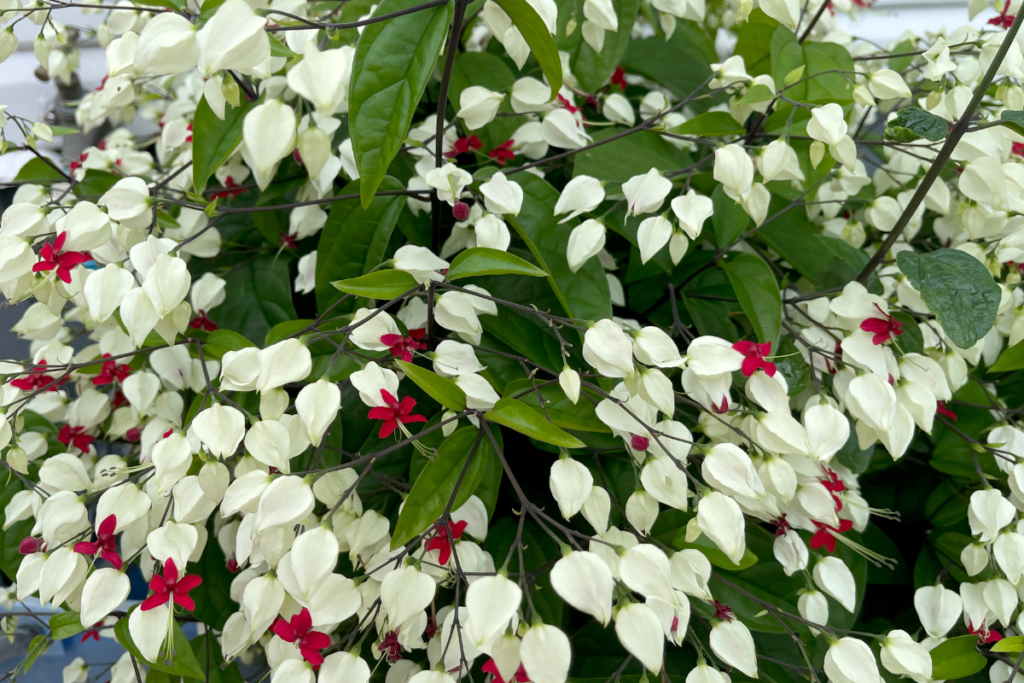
x=316 y=640
x=107 y=527
x=381 y=413
x=58 y=244
x=170 y=571
x=185 y=601
x=389 y=398
x=745 y=347
x=750 y=365
x=458 y=528
x=64 y=274
x=406 y=406
x=390 y=339
x=113 y=558
x=302 y=622
x=875 y=325
x=86 y=548
x=283 y=629
x=406 y=419
x=154 y=601
x=387 y=428
x=187 y=583
x=312 y=656
x=158 y=584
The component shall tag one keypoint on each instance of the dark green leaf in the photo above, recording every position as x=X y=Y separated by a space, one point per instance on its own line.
x=911 y=341
x=958 y=289
x=710 y=124
x=95 y=183
x=211 y=661
x=489 y=71
x=214 y=140
x=382 y=284
x=914 y=123
x=65 y=625
x=220 y=342
x=441 y=389
x=755 y=42
x=38 y=171
x=1014 y=120
x=586 y=291
x=592 y=69
x=957 y=658
x=1010 y=359
x=658 y=59
x=516 y=415
x=758 y=292
x=435 y=487
x=259 y=296
x=628 y=156
x=793 y=367
x=787 y=56
x=355 y=238
x=536 y=35
x=482 y=261
x=184 y=661
x=393 y=61
x=729 y=218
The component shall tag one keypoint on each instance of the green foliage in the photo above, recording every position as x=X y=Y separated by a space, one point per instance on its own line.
x=381 y=284
x=958 y=289
x=65 y=624
x=260 y=296
x=536 y=35
x=914 y=123
x=957 y=658
x=759 y=295
x=481 y=261
x=592 y=69
x=393 y=61
x=214 y=140
x=441 y=389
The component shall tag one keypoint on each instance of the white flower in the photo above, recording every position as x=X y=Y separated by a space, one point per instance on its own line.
x=478 y=106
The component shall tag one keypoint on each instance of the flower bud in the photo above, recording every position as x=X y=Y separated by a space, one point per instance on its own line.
x=284 y=362
x=638 y=628
x=501 y=195
x=491 y=602
x=902 y=656
x=731 y=640
x=849 y=660
x=314 y=148
x=571 y=483
x=478 y=106
x=317 y=405
x=791 y=552
x=584 y=581
x=268 y=133
x=642 y=510
x=974 y=557
x=833 y=577
x=721 y=519
x=167 y=45
x=938 y=609
x=404 y=592
x=580 y=195
x=287 y=501
x=608 y=349
x=585 y=241
x=546 y=654
x=148 y=629
x=233 y=39
x=323 y=79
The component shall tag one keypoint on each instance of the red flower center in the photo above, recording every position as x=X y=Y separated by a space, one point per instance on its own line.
x=442 y=540
x=37 y=379
x=754 y=357
x=619 y=77
x=390 y=646
x=394 y=413
x=639 y=443
x=722 y=611
x=170 y=587
x=825 y=536
x=201 y=322
x=402 y=347
x=491 y=667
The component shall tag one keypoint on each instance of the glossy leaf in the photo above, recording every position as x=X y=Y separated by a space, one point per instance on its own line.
x=710 y=124
x=634 y=154
x=393 y=62
x=1010 y=359
x=914 y=123
x=516 y=415
x=958 y=289
x=434 y=489
x=758 y=292
x=354 y=240
x=382 y=284
x=729 y=219
x=482 y=261
x=258 y=296
x=441 y=389
x=65 y=624
x=658 y=59
x=957 y=658
x=536 y=35
x=213 y=140
x=592 y=69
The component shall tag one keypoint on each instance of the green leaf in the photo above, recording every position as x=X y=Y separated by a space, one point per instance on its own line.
x=580 y=417
x=914 y=123
x=220 y=342
x=536 y=35
x=489 y=71
x=1014 y=644
x=393 y=62
x=214 y=658
x=65 y=625
x=516 y=415
x=658 y=59
x=793 y=367
x=95 y=183
x=36 y=648
x=213 y=140
x=382 y=284
x=1014 y=120
x=1010 y=359
x=823 y=84
x=184 y=661
x=482 y=261
x=709 y=125
x=354 y=239
x=957 y=658
x=38 y=171
x=759 y=93
x=758 y=292
x=958 y=289
x=592 y=69
x=729 y=218
x=584 y=292
x=435 y=487
x=621 y=159
x=441 y=389
x=755 y=42
x=787 y=56
x=279 y=49
x=259 y=296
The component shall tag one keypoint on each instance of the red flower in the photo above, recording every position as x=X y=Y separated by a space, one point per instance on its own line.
x=619 y=77
x=30 y=545
x=201 y=322
x=721 y=409
x=390 y=646
x=229 y=184
x=825 y=535
x=93 y=633
x=834 y=485
x=300 y=630
x=941 y=409
x=984 y=634
x=443 y=542
x=288 y=241
x=169 y=587
x=883 y=328
x=112 y=372
x=75 y=436
x=567 y=105
x=53 y=259
x=402 y=347
x=503 y=152
x=37 y=379
x=460 y=211
x=722 y=611
x=1003 y=20
x=464 y=145
x=1018 y=149
x=781 y=525
x=133 y=435
x=105 y=545
x=755 y=357
x=394 y=413
x=491 y=667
